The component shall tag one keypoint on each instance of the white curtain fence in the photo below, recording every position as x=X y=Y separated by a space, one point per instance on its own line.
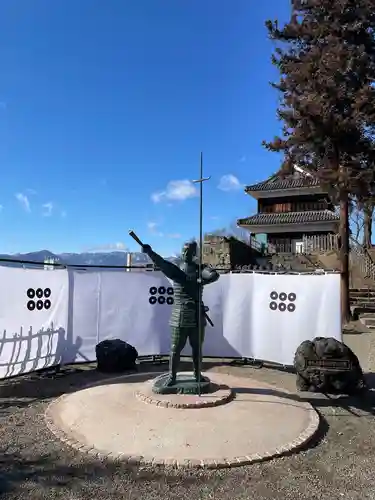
x=57 y=317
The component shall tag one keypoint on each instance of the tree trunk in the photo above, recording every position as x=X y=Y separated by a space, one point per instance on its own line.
x=367 y=228
x=344 y=256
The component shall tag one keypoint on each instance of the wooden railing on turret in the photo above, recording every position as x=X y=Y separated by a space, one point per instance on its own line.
x=320 y=243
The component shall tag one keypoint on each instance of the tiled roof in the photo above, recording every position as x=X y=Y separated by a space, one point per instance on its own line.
x=276 y=183
x=289 y=218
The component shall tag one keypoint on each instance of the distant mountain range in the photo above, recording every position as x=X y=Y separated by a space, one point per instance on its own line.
x=79 y=259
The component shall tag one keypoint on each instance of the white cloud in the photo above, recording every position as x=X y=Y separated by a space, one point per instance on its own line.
x=176 y=191
x=47 y=209
x=24 y=201
x=153 y=227
x=120 y=246
x=1 y=208
x=156 y=197
x=229 y=183
x=31 y=191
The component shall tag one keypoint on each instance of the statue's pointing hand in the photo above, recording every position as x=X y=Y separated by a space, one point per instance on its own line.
x=146 y=249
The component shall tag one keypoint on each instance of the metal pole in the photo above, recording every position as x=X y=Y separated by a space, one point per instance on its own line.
x=200 y=273
x=200 y=295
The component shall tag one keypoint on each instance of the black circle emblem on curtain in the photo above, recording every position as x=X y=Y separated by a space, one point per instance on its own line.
x=161 y=295
x=282 y=301
x=39 y=294
x=31 y=305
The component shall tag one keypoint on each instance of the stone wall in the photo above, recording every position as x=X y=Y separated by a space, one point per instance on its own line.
x=228 y=252
x=216 y=251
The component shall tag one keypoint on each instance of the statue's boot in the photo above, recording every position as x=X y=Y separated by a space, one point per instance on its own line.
x=171 y=380
x=197 y=374
x=175 y=361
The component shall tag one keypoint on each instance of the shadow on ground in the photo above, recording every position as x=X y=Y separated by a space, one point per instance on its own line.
x=23 y=390
x=49 y=472
x=19 y=392
x=364 y=403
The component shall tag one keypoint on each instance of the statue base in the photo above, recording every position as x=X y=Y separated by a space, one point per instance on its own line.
x=185 y=384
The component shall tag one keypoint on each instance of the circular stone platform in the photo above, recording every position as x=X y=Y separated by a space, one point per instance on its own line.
x=110 y=421
x=219 y=395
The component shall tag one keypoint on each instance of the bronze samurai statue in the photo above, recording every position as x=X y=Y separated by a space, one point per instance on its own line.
x=185 y=309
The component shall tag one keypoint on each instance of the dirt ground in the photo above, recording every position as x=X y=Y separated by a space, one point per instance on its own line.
x=35 y=465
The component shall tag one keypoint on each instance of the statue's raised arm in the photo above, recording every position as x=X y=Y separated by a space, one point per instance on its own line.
x=169 y=269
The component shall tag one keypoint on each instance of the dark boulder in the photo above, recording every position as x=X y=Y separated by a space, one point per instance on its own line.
x=328 y=366
x=115 y=356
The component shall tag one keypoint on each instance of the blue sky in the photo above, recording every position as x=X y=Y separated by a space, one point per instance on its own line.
x=105 y=107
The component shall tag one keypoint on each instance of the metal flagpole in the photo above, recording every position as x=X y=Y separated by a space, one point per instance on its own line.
x=200 y=296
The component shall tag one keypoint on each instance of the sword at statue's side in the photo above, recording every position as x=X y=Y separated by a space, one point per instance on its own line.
x=205 y=308
x=209 y=320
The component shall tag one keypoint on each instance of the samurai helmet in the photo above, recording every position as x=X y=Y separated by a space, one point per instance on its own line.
x=189 y=251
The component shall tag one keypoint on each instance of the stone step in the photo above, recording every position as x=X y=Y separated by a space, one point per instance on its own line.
x=363 y=314
x=367 y=315
x=368 y=322
x=362 y=302
x=361 y=295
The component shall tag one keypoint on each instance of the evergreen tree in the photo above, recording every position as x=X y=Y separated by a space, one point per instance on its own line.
x=367 y=203
x=326 y=58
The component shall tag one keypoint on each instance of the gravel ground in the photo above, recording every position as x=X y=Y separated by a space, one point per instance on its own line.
x=34 y=465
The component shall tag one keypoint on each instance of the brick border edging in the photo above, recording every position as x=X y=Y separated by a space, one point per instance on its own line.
x=227 y=396
x=293 y=446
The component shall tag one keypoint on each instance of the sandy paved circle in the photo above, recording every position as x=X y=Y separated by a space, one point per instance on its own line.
x=109 y=421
